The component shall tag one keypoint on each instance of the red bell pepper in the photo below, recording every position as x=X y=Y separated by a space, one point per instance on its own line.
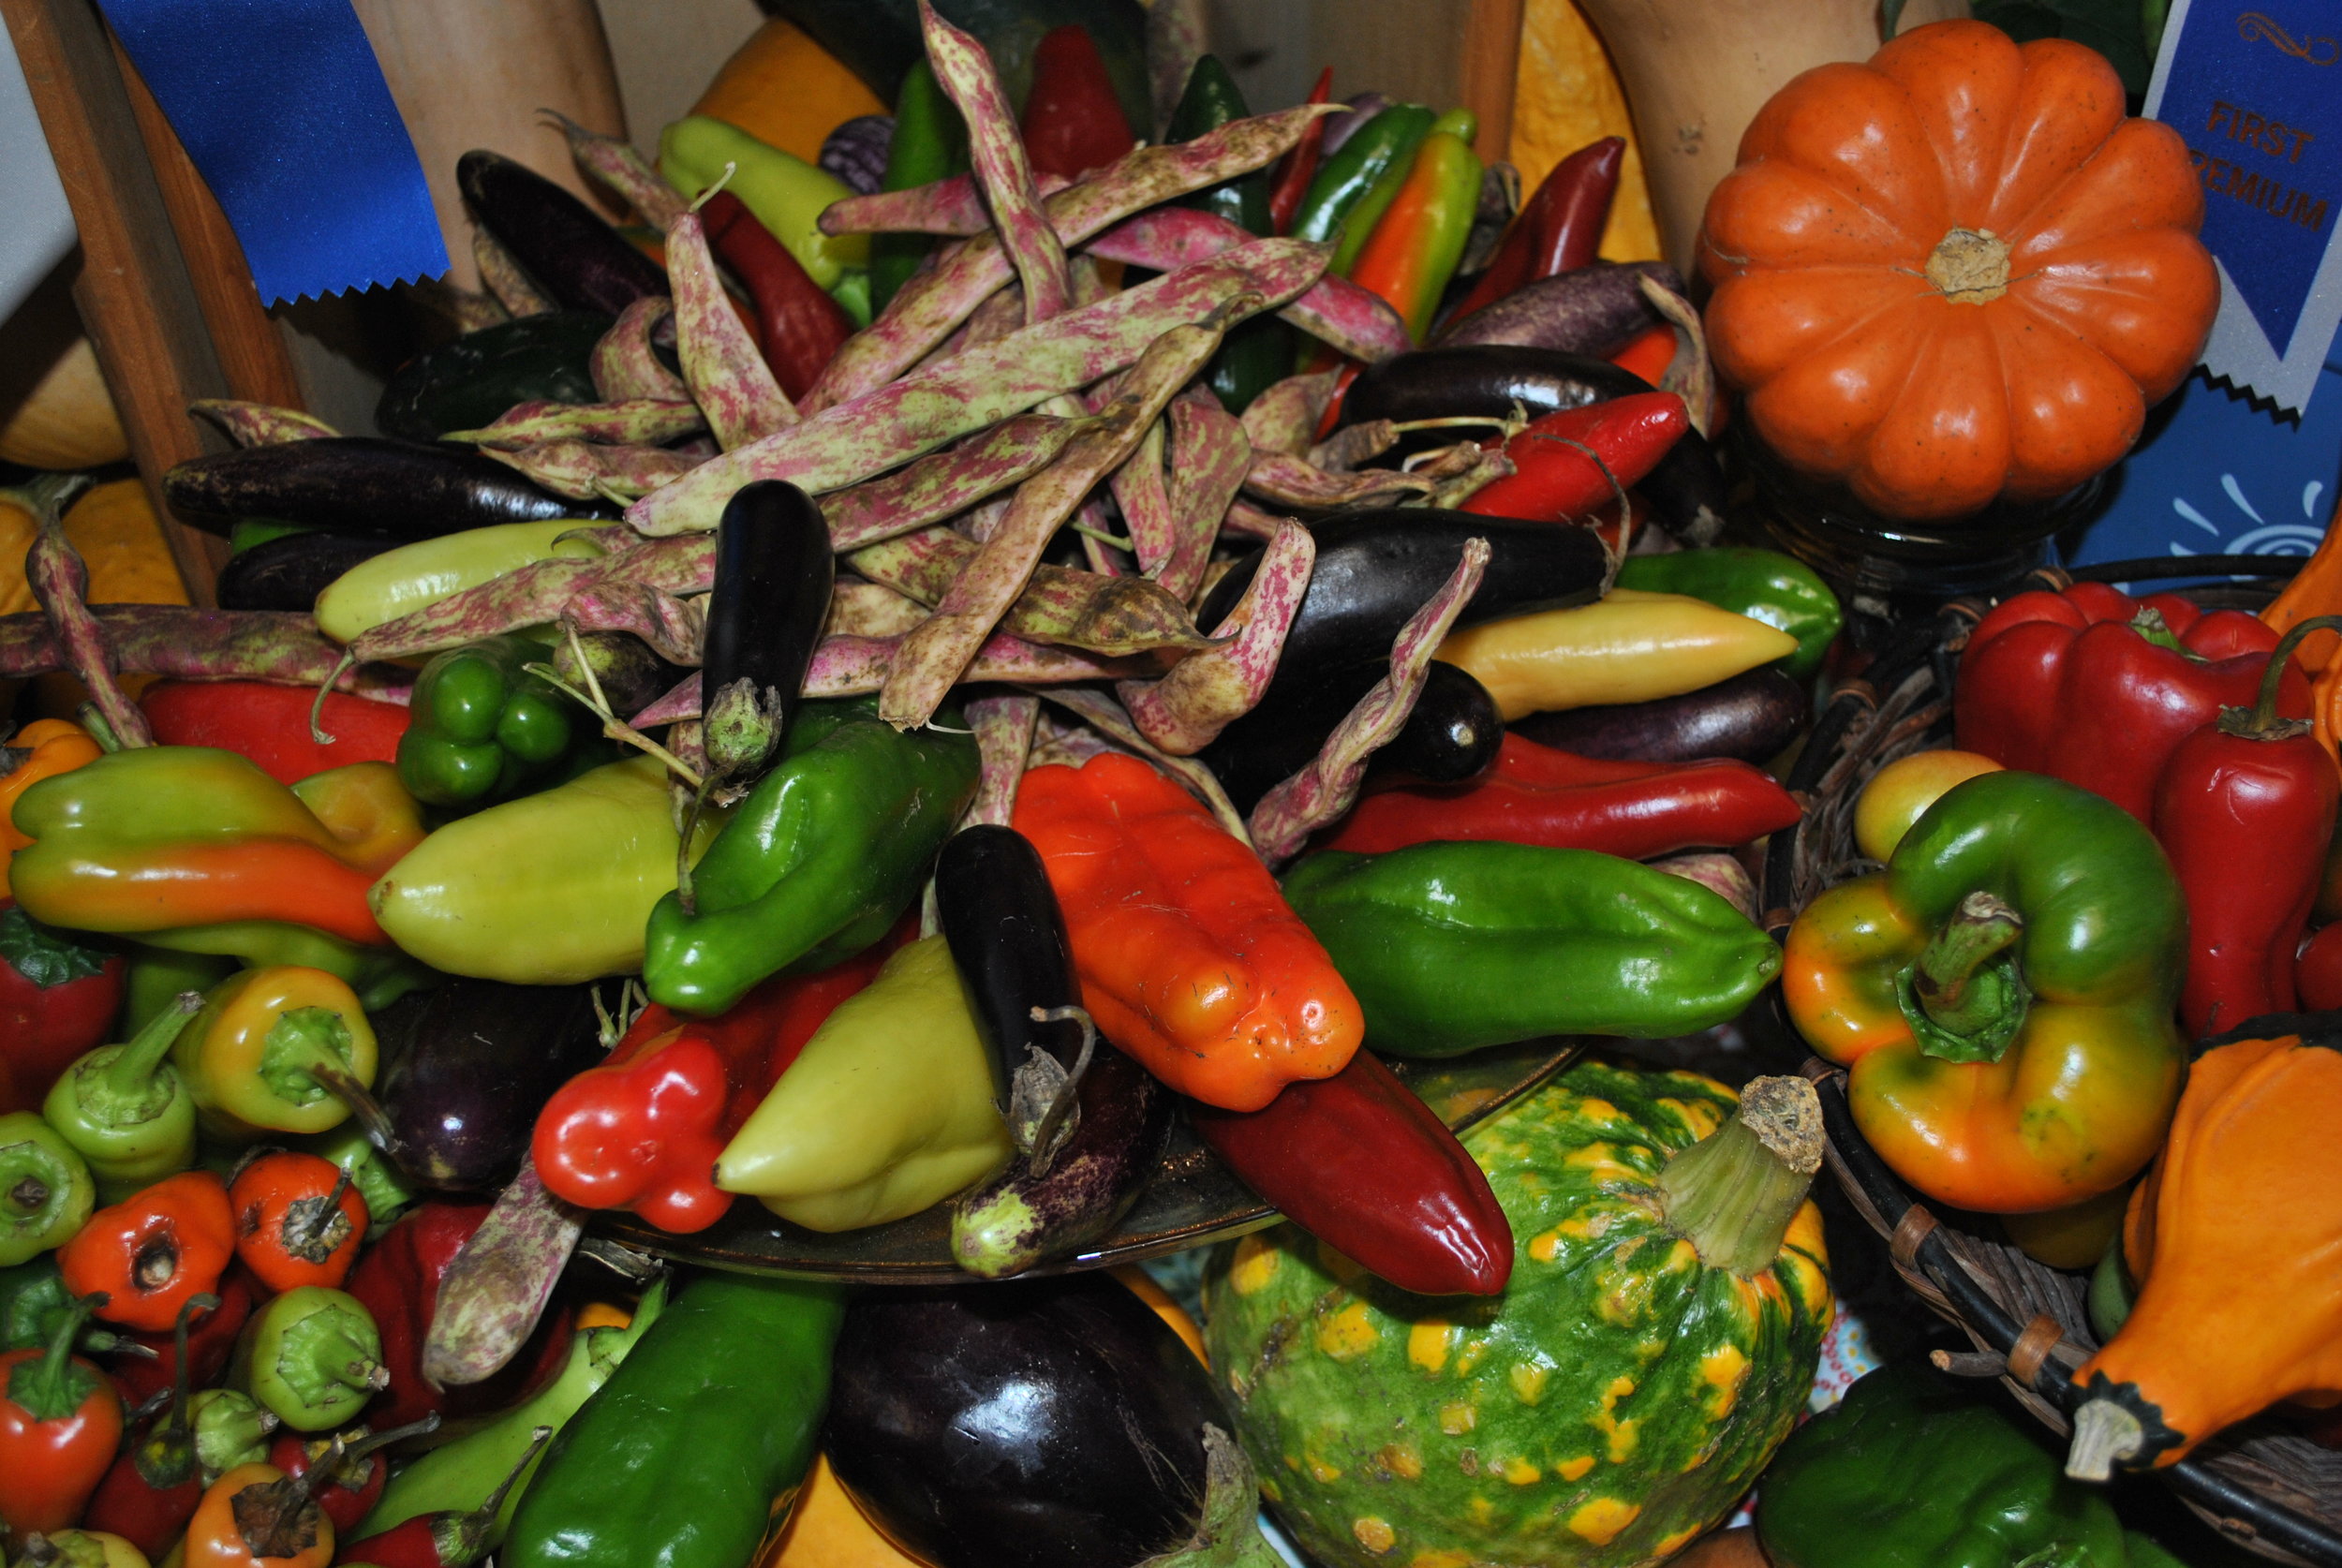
x=397 y=1281
x=1537 y=795
x=641 y=1131
x=2317 y=972
x=60 y=1421
x=1298 y=167
x=798 y=326
x=1072 y=122
x=1562 y=222
x=2098 y=688
x=1568 y=463
x=57 y=1000
x=269 y=724
x=2245 y=808
x=1361 y=1164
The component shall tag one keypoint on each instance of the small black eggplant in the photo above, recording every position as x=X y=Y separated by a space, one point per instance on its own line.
x=774 y=577
x=1686 y=490
x=1752 y=718
x=1078 y=1170
x=363 y=484
x=287 y=572
x=582 y=262
x=1452 y=735
x=467 y=1066
x=1042 y=1424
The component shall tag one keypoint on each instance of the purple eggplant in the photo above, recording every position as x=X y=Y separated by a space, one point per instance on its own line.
x=363 y=484
x=1041 y=1423
x=1451 y=735
x=774 y=577
x=856 y=152
x=582 y=262
x=289 y=572
x=1596 y=310
x=1339 y=127
x=1752 y=717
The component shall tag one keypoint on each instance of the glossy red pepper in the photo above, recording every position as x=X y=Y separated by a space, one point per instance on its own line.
x=152 y=1250
x=60 y=1421
x=356 y=1471
x=1298 y=167
x=1072 y=122
x=1537 y=795
x=448 y=1538
x=150 y=1492
x=269 y=724
x=1361 y=1164
x=2317 y=972
x=2098 y=688
x=641 y=1131
x=1572 y=202
x=798 y=326
x=397 y=1281
x=211 y=1342
x=2246 y=807
x=1572 y=461
x=1648 y=354
x=57 y=1000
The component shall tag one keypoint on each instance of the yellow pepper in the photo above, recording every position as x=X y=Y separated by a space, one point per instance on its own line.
x=887 y=1111
x=49 y=747
x=246 y=1057
x=1629 y=646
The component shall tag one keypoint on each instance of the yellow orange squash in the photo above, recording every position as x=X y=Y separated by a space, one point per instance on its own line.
x=786 y=90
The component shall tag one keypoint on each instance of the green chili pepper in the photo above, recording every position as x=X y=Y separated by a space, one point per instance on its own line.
x=312 y=1355
x=1383 y=143
x=677 y=1461
x=1763 y=585
x=819 y=861
x=931 y=143
x=46 y=1193
x=1358 y=225
x=1260 y=350
x=1453 y=946
x=484 y=729
x=125 y=1110
x=34 y=1302
x=159 y=976
x=402 y=581
x=786 y=193
x=458 y=1476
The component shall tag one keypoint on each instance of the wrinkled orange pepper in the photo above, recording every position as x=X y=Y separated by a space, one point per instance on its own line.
x=1189 y=958
x=49 y=747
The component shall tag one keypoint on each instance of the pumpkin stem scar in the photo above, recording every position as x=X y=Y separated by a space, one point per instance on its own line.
x=1970 y=266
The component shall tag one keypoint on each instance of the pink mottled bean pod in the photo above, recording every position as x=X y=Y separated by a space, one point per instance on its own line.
x=722 y=364
x=623 y=366
x=1209 y=690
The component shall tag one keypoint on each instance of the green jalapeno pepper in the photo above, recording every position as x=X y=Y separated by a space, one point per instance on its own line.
x=1763 y=585
x=1383 y=143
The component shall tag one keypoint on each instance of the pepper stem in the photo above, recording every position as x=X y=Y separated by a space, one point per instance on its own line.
x=2261 y=721
x=463 y=1539
x=167 y=1457
x=1964 y=996
x=131 y=1075
x=1733 y=1193
x=52 y=1385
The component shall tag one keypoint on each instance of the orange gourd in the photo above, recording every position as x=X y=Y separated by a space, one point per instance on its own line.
x=2236 y=1236
x=1956 y=273
x=2315 y=590
x=786 y=90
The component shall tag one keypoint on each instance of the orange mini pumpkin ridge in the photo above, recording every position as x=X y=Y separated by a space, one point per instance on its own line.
x=1957 y=273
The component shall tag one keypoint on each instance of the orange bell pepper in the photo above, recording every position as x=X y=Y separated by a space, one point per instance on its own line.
x=46 y=748
x=1189 y=958
x=280 y=1525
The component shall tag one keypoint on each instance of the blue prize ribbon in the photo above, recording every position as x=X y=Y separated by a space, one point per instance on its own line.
x=283 y=108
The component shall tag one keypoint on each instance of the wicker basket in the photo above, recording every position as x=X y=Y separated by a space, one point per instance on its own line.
x=2270 y=1490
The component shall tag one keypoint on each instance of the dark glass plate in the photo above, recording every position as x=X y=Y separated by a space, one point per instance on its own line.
x=1191 y=1200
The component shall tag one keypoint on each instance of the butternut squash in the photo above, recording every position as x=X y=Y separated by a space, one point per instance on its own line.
x=65 y=419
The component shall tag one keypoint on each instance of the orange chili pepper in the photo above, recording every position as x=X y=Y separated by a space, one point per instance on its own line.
x=152 y=1250
x=1189 y=958
x=50 y=747
x=298 y=1221
x=1416 y=247
x=286 y=1528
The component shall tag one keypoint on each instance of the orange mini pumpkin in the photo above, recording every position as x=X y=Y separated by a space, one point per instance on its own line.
x=1957 y=273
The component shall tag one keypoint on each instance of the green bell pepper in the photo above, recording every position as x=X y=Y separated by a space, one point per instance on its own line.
x=1259 y=351
x=1763 y=585
x=680 y=1460
x=124 y=1109
x=1909 y=1468
x=931 y=143
x=46 y=1194
x=483 y=728
x=312 y=1355
x=820 y=859
x=1383 y=143
x=1452 y=946
x=784 y=192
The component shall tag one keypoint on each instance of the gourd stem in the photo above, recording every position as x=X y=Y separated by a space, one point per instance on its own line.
x=2104 y=1432
x=1945 y=978
x=1733 y=1193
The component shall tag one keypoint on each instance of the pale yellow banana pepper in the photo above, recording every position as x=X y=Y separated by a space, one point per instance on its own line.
x=1628 y=646
x=887 y=1111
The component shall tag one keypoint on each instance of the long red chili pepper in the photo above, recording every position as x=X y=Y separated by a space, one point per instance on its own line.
x=2245 y=808
x=1573 y=183
x=1299 y=167
x=1568 y=463
x=798 y=326
x=1537 y=795
x=1569 y=230
x=1072 y=122
x=1361 y=1164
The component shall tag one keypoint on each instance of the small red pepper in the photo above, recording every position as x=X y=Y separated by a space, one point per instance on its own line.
x=1581 y=186
x=1538 y=794
x=60 y=1421
x=269 y=724
x=1568 y=463
x=1361 y=1164
x=1649 y=353
x=57 y=1000
x=298 y=1221
x=2317 y=972
x=798 y=326
x=150 y=1492
x=152 y=1250
x=397 y=1281
x=1072 y=122
x=2098 y=688
x=641 y=1131
x=1299 y=167
x=355 y=1472
x=210 y=1342
x=2245 y=808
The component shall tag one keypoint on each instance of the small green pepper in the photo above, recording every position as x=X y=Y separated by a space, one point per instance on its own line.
x=46 y=1193
x=157 y=975
x=784 y=192
x=125 y=1110
x=483 y=728
x=1385 y=143
x=230 y=1430
x=312 y=1355
x=372 y=1174
x=1763 y=585
x=931 y=143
